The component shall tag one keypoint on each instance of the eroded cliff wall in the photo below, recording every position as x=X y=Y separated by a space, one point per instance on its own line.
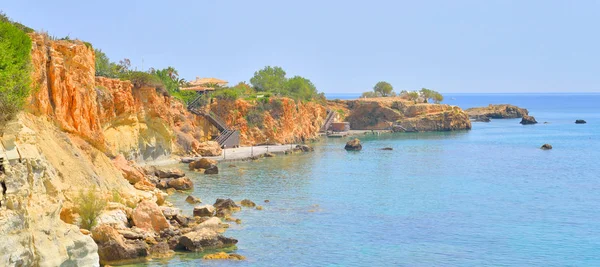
x=276 y=120
x=110 y=114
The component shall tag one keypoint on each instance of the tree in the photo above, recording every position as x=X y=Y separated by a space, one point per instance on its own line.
x=104 y=67
x=412 y=95
x=301 y=87
x=383 y=88
x=15 y=76
x=370 y=94
x=269 y=79
x=428 y=94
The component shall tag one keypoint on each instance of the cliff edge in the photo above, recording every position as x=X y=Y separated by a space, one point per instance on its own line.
x=398 y=114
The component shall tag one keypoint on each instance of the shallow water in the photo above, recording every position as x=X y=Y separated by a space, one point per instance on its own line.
x=488 y=196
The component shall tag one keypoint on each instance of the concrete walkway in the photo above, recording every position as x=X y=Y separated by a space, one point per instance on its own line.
x=245 y=152
x=230 y=154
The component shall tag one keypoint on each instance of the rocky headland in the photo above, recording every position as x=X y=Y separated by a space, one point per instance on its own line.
x=399 y=114
x=501 y=111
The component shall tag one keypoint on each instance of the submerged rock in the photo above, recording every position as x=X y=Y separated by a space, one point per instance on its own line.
x=248 y=203
x=546 y=147
x=387 y=148
x=193 y=200
x=223 y=256
x=528 y=120
x=269 y=155
x=305 y=148
x=353 y=145
x=580 y=121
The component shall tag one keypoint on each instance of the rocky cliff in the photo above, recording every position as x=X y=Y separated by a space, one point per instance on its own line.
x=402 y=115
x=112 y=115
x=501 y=111
x=39 y=188
x=275 y=120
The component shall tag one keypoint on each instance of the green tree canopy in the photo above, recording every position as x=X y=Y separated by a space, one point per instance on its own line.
x=383 y=88
x=301 y=87
x=15 y=50
x=269 y=79
x=431 y=95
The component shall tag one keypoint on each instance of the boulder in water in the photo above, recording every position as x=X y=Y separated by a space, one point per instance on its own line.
x=353 y=145
x=528 y=120
x=248 y=203
x=206 y=210
x=183 y=183
x=580 y=121
x=212 y=170
x=193 y=200
x=387 y=148
x=202 y=163
x=169 y=173
x=546 y=147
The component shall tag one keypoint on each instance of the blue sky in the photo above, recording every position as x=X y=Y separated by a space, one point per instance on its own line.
x=345 y=46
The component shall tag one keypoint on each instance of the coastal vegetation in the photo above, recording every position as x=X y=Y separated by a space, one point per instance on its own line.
x=90 y=207
x=15 y=50
x=385 y=89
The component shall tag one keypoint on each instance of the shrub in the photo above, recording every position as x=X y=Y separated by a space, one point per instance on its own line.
x=90 y=207
x=15 y=49
x=140 y=78
x=227 y=94
x=254 y=117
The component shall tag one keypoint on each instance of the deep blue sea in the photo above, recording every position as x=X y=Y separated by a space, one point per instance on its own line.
x=485 y=197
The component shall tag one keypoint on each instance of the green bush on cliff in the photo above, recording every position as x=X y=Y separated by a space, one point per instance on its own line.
x=90 y=206
x=274 y=80
x=23 y=28
x=15 y=49
x=428 y=94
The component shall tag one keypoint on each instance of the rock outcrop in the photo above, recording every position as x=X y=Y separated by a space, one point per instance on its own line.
x=528 y=120
x=276 y=120
x=394 y=113
x=205 y=238
x=353 y=145
x=501 y=111
x=546 y=146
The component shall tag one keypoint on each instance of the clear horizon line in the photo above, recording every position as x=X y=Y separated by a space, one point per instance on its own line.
x=598 y=92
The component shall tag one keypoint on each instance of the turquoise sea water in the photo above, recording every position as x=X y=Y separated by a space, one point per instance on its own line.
x=485 y=197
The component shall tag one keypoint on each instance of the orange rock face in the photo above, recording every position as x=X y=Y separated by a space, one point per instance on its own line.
x=110 y=114
x=63 y=79
x=119 y=118
x=282 y=120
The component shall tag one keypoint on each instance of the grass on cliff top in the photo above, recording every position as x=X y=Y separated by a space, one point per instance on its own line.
x=15 y=71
